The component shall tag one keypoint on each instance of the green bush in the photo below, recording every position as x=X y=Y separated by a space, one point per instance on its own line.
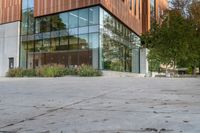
x=116 y=66
x=54 y=71
x=70 y=71
x=29 y=73
x=16 y=72
x=88 y=71
x=50 y=71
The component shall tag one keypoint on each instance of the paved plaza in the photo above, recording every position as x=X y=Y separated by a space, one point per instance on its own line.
x=99 y=105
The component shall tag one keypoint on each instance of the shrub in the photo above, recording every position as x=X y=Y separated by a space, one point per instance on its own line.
x=29 y=73
x=16 y=72
x=116 y=66
x=54 y=71
x=88 y=71
x=50 y=71
x=70 y=71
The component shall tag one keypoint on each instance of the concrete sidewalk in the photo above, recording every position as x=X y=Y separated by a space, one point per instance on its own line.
x=99 y=105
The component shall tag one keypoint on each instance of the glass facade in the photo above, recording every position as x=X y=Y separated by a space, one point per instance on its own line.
x=119 y=45
x=152 y=11
x=85 y=36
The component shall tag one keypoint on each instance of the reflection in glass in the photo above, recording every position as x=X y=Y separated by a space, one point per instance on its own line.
x=84 y=41
x=93 y=15
x=73 y=19
x=85 y=36
x=64 y=19
x=83 y=17
x=73 y=42
x=43 y=24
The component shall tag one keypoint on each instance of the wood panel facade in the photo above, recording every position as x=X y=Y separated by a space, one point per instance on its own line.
x=130 y=13
x=45 y=7
x=160 y=7
x=132 y=17
x=135 y=16
x=10 y=11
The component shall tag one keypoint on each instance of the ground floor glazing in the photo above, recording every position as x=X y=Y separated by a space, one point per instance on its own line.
x=86 y=36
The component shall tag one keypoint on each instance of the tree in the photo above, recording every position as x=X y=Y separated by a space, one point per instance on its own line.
x=181 y=5
x=168 y=42
x=176 y=42
x=193 y=55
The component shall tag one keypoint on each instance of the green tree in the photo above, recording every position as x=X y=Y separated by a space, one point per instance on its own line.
x=176 y=42
x=168 y=42
x=192 y=57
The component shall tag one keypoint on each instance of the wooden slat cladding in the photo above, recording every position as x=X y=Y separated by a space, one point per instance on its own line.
x=160 y=6
x=119 y=8
x=145 y=15
x=45 y=7
x=122 y=10
x=10 y=11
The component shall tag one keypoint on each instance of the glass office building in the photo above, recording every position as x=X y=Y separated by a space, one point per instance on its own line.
x=82 y=36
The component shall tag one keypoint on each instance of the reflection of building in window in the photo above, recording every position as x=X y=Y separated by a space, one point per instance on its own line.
x=152 y=11
x=130 y=2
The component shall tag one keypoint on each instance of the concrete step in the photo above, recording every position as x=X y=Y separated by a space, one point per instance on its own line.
x=121 y=74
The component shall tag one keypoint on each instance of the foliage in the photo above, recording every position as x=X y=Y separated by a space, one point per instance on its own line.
x=176 y=40
x=29 y=73
x=16 y=72
x=50 y=71
x=54 y=71
x=116 y=66
x=88 y=71
x=154 y=63
x=70 y=71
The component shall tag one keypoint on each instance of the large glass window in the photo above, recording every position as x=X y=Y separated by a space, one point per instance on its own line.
x=43 y=24
x=55 y=42
x=27 y=4
x=30 y=3
x=73 y=38
x=152 y=11
x=64 y=20
x=64 y=41
x=24 y=26
x=38 y=46
x=24 y=4
x=94 y=47
x=27 y=26
x=73 y=19
x=30 y=51
x=59 y=22
x=117 y=43
x=73 y=42
x=23 y=54
x=83 y=17
x=55 y=22
x=46 y=45
x=93 y=15
x=31 y=21
x=83 y=41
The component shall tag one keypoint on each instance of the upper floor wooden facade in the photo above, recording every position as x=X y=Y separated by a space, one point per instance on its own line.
x=10 y=11
x=135 y=14
x=159 y=7
x=130 y=15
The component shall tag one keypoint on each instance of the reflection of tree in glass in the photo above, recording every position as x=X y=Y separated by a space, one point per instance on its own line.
x=57 y=23
x=27 y=22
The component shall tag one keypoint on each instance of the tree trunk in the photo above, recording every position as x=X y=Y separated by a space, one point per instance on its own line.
x=174 y=67
x=193 y=70
x=199 y=69
x=166 y=70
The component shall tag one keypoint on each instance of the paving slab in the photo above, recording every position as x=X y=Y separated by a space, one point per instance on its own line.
x=99 y=105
